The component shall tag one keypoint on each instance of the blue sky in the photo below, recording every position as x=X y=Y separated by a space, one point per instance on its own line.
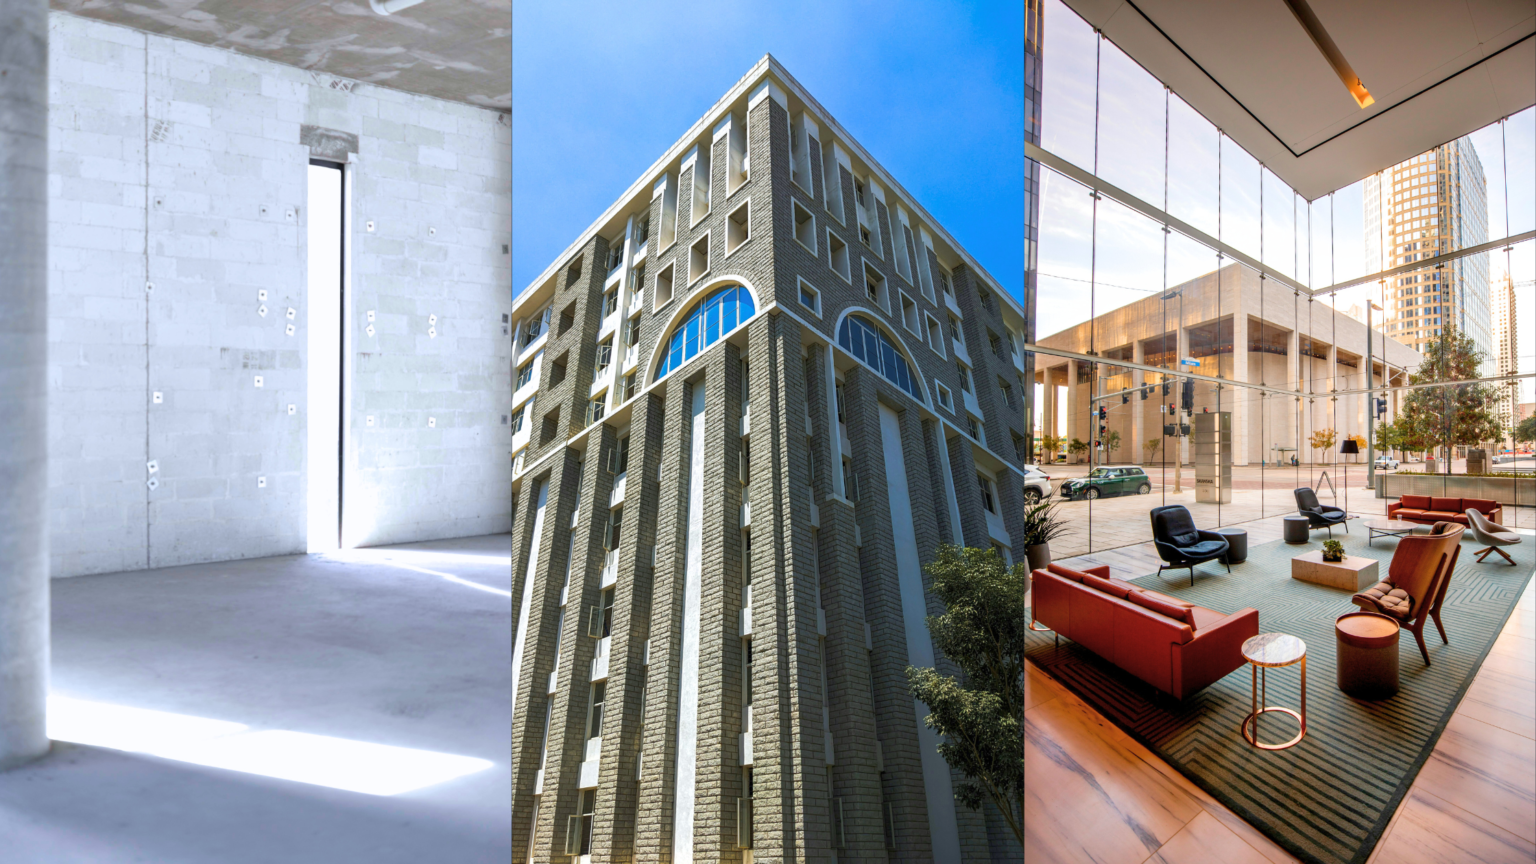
x=933 y=90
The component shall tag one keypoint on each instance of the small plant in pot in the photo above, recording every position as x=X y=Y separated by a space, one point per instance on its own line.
x=1043 y=523
x=1333 y=551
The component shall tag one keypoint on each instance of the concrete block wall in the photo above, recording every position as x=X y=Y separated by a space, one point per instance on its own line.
x=180 y=166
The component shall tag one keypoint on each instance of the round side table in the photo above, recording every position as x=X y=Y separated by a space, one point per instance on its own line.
x=1264 y=652
x=1367 y=654
x=1297 y=529
x=1237 y=544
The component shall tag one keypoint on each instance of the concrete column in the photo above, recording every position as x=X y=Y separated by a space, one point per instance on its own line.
x=1181 y=351
x=1072 y=411
x=1048 y=414
x=1238 y=398
x=1333 y=405
x=23 y=380
x=1138 y=408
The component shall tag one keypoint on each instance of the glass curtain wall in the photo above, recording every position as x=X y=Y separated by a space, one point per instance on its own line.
x=1167 y=371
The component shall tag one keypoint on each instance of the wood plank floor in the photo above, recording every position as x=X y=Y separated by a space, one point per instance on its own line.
x=1092 y=794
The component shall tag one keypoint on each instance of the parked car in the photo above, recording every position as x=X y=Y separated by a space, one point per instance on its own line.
x=1386 y=462
x=1037 y=484
x=1106 y=481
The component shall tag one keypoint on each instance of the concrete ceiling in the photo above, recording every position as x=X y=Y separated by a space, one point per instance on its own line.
x=452 y=49
x=1437 y=71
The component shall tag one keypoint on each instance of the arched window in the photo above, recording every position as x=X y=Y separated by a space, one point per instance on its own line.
x=865 y=340
x=716 y=314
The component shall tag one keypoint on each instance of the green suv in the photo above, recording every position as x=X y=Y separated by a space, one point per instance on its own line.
x=1109 y=480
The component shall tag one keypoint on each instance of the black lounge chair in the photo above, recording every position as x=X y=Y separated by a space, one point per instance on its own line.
x=1319 y=515
x=1181 y=544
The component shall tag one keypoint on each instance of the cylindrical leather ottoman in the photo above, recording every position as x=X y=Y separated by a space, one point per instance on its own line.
x=1297 y=529
x=1367 y=654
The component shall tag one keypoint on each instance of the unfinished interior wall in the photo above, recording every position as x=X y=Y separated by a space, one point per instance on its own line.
x=177 y=179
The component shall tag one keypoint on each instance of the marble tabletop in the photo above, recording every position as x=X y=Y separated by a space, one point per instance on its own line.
x=1274 y=649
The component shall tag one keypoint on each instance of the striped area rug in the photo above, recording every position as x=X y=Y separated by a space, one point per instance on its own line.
x=1328 y=799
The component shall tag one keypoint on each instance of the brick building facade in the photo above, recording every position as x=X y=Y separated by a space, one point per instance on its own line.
x=750 y=403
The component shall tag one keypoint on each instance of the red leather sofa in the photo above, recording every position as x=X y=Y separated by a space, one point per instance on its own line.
x=1173 y=645
x=1428 y=510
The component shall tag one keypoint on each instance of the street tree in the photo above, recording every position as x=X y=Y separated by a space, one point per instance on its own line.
x=979 y=713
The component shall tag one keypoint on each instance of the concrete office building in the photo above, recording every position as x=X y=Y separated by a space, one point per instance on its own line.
x=1291 y=344
x=1434 y=203
x=753 y=398
x=1506 y=345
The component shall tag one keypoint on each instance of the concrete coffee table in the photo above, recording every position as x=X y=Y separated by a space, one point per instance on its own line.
x=1354 y=573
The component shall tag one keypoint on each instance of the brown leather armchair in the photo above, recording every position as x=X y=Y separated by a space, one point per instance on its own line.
x=1417 y=578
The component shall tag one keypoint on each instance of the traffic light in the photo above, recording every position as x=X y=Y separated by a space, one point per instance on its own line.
x=1144 y=392
x=1188 y=396
x=1125 y=398
x=1103 y=412
x=1381 y=408
x=1165 y=386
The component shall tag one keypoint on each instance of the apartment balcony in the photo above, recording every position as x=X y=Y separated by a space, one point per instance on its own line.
x=601 y=381
x=631 y=357
x=610 y=571
x=952 y=303
x=616 y=497
x=960 y=352
x=519 y=461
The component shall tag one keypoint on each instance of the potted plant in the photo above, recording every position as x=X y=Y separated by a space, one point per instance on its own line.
x=1042 y=524
x=1333 y=550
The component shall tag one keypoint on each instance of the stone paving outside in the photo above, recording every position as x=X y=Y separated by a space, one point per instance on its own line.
x=1258 y=493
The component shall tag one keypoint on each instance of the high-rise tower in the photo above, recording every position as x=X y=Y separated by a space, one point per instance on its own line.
x=1506 y=353
x=1434 y=203
x=752 y=400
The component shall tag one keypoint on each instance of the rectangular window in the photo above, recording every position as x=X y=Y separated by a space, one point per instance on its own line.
x=997 y=344
x=664 y=286
x=850 y=481
x=738 y=229
x=618 y=457
x=955 y=332
x=698 y=259
x=874 y=289
x=629 y=386
x=805 y=228
x=864 y=237
x=1007 y=392
x=536 y=325
x=595 y=410
x=810 y=298
x=524 y=375
x=840 y=417
x=611 y=529
x=595 y=716
x=637 y=287
x=604 y=358
x=965 y=377
x=578 y=832
x=986 y=299
x=858 y=191
x=838 y=252
x=909 y=313
x=944 y=282
x=935 y=334
x=987 y=500
x=973 y=427
x=615 y=255
x=517 y=419
x=946 y=399
x=618 y=516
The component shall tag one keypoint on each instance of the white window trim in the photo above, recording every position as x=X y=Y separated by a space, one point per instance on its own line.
x=944 y=397
x=883 y=302
x=846 y=250
x=695 y=277
x=655 y=292
x=801 y=284
x=747 y=206
x=904 y=298
x=809 y=212
x=932 y=322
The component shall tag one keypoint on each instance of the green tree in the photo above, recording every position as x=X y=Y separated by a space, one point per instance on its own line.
x=1052 y=445
x=1151 y=446
x=1077 y=447
x=1525 y=430
x=980 y=713
x=1458 y=414
x=1111 y=441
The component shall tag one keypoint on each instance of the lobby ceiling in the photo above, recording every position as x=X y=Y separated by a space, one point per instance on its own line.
x=452 y=49
x=1436 y=71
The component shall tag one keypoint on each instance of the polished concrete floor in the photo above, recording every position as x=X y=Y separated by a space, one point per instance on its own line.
x=1118 y=803
x=378 y=676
